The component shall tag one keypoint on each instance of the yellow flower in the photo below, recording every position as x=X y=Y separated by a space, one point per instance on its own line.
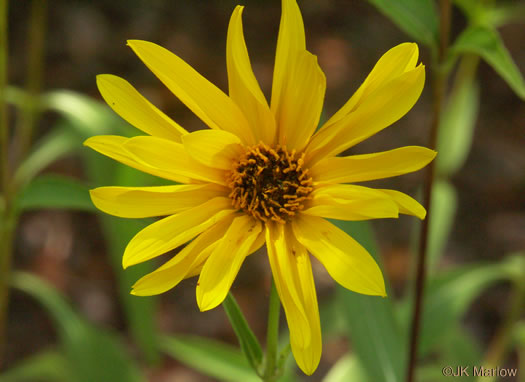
x=261 y=174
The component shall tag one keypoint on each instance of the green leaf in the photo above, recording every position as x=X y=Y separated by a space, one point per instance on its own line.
x=505 y=14
x=61 y=141
x=249 y=344
x=14 y=95
x=88 y=116
x=518 y=334
x=212 y=358
x=473 y=9
x=444 y=206
x=460 y=348
x=487 y=43
x=49 y=365
x=372 y=327
x=55 y=191
x=93 y=354
x=139 y=311
x=448 y=296
x=332 y=322
x=457 y=127
x=417 y=18
x=346 y=369
x=456 y=348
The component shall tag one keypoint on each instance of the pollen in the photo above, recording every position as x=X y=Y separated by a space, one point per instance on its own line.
x=270 y=183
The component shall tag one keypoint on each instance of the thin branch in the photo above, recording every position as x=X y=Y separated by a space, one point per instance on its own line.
x=439 y=84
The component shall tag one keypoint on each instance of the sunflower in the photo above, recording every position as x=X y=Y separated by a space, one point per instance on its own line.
x=261 y=174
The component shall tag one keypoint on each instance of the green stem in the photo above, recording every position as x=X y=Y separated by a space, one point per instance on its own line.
x=4 y=136
x=7 y=227
x=439 y=84
x=272 y=336
x=6 y=222
x=35 y=65
x=8 y=212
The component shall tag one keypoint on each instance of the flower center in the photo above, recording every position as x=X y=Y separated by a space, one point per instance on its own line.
x=270 y=184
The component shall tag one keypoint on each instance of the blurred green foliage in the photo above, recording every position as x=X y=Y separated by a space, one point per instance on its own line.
x=90 y=353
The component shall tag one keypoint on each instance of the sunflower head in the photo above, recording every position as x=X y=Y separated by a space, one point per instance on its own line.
x=270 y=184
x=263 y=174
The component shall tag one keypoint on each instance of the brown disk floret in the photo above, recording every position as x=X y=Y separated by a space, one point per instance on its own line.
x=270 y=184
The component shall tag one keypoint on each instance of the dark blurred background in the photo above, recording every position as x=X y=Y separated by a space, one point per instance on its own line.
x=86 y=38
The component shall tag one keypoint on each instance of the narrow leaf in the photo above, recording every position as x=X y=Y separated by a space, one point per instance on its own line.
x=417 y=18
x=372 y=326
x=346 y=369
x=487 y=43
x=93 y=354
x=457 y=127
x=49 y=365
x=471 y=8
x=55 y=191
x=504 y=14
x=460 y=348
x=139 y=311
x=212 y=358
x=62 y=140
x=456 y=348
x=249 y=344
x=88 y=116
x=448 y=296
x=444 y=206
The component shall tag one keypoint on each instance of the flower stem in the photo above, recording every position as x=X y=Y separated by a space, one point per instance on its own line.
x=6 y=222
x=272 y=336
x=22 y=138
x=4 y=136
x=36 y=42
x=439 y=84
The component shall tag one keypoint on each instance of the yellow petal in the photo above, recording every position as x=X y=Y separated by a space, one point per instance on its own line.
x=345 y=259
x=301 y=101
x=351 y=202
x=406 y=204
x=213 y=148
x=308 y=358
x=224 y=263
x=168 y=233
x=243 y=86
x=206 y=100
x=290 y=41
x=141 y=202
x=127 y=102
x=113 y=146
x=293 y=278
x=359 y=168
x=257 y=244
x=393 y=63
x=184 y=263
x=280 y=252
x=172 y=158
x=378 y=110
